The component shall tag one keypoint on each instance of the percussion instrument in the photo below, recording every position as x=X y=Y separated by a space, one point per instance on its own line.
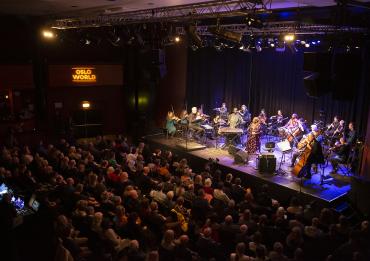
x=228 y=130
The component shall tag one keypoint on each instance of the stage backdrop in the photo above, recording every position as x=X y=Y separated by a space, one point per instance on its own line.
x=267 y=79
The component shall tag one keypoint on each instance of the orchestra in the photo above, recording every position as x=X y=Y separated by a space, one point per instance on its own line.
x=308 y=145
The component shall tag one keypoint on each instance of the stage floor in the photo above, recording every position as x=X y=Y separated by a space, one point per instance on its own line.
x=311 y=189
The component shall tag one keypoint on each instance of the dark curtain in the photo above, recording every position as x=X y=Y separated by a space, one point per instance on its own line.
x=271 y=80
x=215 y=77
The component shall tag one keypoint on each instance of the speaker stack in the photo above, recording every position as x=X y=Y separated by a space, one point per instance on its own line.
x=240 y=156
x=267 y=163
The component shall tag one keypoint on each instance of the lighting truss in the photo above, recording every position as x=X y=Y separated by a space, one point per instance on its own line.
x=179 y=13
x=277 y=28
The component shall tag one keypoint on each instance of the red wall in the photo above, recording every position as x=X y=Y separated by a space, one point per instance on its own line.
x=172 y=88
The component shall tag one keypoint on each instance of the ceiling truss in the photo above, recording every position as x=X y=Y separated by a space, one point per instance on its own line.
x=180 y=13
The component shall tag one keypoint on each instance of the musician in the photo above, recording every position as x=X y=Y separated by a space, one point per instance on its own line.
x=315 y=156
x=302 y=123
x=292 y=129
x=246 y=116
x=293 y=123
x=223 y=111
x=351 y=134
x=254 y=135
x=194 y=121
x=170 y=123
x=333 y=126
x=334 y=134
x=340 y=153
x=279 y=117
x=263 y=117
x=235 y=119
x=184 y=117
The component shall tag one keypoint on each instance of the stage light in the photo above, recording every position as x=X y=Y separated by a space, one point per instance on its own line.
x=48 y=34
x=303 y=42
x=258 y=47
x=272 y=44
x=307 y=45
x=85 y=105
x=6 y=97
x=289 y=37
x=177 y=39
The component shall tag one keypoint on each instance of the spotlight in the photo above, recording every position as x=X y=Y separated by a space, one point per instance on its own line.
x=85 y=105
x=280 y=46
x=272 y=44
x=6 y=97
x=307 y=45
x=48 y=34
x=289 y=37
x=258 y=47
x=177 y=39
x=303 y=42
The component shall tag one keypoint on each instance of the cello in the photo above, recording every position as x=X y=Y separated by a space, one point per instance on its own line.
x=305 y=146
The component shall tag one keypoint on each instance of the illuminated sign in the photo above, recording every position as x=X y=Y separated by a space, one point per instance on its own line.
x=83 y=74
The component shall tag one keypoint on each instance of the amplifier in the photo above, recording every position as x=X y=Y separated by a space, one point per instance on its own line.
x=267 y=163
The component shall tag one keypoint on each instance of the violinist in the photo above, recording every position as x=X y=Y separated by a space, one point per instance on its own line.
x=315 y=155
x=170 y=123
x=184 y=117
x=194 y=119
x=340 y=153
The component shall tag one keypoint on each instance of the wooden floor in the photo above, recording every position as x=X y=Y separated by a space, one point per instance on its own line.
x=328 y=194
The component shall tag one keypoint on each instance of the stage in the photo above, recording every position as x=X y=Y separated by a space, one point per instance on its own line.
x=282 y=185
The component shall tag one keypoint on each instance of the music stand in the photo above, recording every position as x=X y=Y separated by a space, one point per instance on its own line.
x=284 y=147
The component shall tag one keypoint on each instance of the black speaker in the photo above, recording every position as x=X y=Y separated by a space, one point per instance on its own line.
x=232 y=150
x=267 y=163
x=241 y=157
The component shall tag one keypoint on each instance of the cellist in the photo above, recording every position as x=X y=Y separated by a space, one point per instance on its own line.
x=309 y=152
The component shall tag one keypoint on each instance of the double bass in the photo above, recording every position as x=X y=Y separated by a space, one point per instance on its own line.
x=305 y=147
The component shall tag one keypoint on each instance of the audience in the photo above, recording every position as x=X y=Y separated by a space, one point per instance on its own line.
x=110 y=201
